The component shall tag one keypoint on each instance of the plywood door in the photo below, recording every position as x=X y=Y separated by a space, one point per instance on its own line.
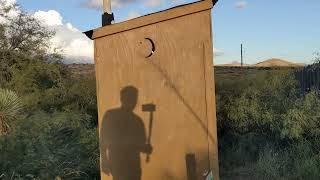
x=173 y=79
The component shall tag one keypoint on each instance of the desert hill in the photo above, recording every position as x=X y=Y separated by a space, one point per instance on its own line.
x=88 y=69
x=277 y=63
x=274 y=62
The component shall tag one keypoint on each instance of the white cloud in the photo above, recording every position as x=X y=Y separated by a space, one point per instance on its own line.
x=153 y=3
x=241 y=4
x=92 y=4
x=75 y=46
x=50 y=18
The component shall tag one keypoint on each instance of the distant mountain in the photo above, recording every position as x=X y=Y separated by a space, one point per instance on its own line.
x=274 y=62
x=88 y=69
x=278 y=63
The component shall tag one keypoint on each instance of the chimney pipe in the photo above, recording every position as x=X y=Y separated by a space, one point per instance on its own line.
x=107 y=6
x=107 y=16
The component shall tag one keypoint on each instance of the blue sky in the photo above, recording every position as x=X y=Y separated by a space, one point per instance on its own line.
x=286 y=29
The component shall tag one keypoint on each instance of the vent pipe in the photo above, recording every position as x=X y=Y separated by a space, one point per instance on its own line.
x=107 y=16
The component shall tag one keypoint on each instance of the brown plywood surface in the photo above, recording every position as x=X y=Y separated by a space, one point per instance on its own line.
x=153 y=18
x=178 y=80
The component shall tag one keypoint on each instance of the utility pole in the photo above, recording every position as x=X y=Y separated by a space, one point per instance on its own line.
x=241 y=55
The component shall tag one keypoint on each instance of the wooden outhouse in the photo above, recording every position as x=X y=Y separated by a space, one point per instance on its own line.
x=156 y=96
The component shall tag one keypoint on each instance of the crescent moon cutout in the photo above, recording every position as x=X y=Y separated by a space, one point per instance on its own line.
x=153 y=47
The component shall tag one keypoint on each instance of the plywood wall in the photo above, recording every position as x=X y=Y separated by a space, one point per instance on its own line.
x=178 y=80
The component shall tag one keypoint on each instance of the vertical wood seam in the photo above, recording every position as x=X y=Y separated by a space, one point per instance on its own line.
x=206 y=101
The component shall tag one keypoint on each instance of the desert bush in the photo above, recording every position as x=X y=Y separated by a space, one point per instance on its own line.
x=49 y=145
x=264 y=125
x=55 y=135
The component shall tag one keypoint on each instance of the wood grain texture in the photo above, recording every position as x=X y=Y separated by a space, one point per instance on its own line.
x=153 y=18
x=177 y=78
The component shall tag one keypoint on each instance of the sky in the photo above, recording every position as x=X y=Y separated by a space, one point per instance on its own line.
x=286 y=29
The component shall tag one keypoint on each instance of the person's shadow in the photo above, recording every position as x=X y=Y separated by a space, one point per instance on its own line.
x=123 y=138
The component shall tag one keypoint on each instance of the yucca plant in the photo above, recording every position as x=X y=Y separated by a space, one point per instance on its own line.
x=10 y=107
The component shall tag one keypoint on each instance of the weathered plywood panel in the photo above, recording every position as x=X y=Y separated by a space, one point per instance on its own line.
x=154 y=18
x=177 y=79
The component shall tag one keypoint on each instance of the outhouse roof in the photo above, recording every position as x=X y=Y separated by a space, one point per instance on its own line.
x=152 y=18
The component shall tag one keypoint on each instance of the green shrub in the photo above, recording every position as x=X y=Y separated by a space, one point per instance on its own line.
x=266 y=128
